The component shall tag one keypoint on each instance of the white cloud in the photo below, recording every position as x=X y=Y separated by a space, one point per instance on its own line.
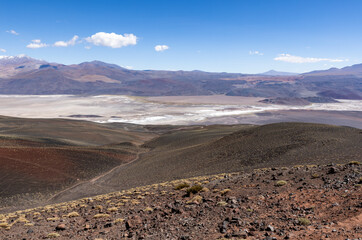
x=284 y=57
x=71 y=42
x=161 y=48
x=2 y=50
x=36 y=43
x=256 y=53
x=88 y=47
x=112 y=40
x=12 y=32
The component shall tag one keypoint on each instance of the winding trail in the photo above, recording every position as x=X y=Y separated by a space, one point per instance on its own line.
x=93 y=180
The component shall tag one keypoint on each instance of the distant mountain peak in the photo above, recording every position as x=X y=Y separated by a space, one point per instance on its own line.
x=101 y=64
x=18 y=59
x=13 y=65
x=277 y=73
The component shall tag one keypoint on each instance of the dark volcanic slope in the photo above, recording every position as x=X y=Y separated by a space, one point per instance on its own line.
x=204 y=150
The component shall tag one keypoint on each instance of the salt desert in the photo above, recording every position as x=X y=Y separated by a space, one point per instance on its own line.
x=177 y=110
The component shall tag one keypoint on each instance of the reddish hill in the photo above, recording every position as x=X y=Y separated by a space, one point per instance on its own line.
x=41 y=156
x=30 y=169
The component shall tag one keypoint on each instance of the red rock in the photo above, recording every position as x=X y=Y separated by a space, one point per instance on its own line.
x=60 y=227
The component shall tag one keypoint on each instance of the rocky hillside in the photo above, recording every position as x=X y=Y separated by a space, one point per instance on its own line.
x=300 y=202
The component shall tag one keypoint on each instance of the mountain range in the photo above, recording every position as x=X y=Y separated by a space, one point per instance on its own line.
x=25 y=75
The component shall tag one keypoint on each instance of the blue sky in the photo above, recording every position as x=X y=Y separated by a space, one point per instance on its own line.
x=220 y=36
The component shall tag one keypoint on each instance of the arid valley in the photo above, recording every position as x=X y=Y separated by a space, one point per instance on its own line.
x=180 y=120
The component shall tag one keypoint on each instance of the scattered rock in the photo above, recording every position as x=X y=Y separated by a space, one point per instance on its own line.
x=133 y=222
x=270 y=228
x=253 y=208
x=332 y=170
x=60 y=227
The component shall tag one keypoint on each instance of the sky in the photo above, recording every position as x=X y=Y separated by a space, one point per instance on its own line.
x=244 y=36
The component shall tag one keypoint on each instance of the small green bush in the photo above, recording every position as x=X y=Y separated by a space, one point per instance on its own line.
x=280 y=183
x=182 y=186
x=304 y=221
x=53 y=235
x=194 y=189
x=225 y=191
x=222 y=203
x=315 y=175
x=354 y=163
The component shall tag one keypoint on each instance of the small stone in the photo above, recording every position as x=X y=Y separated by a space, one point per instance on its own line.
x=332 y=170
x=133 y=222
x=60 y=227
x=107 y=225
x=185 y=237
x=224 y=226
x=270 y=228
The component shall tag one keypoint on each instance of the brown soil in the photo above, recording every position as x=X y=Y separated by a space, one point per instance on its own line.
x=315 y=202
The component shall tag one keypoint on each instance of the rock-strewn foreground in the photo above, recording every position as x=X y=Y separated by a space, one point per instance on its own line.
x=300 y=202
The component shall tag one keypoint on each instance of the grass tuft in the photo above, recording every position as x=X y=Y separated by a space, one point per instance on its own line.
x=112 y=209
x=119 y=220
x=101 y=215
x=303 y=221
x=53 y=235
x=225 y=191
x=181 y=186
x=195 y=200
x=72 y=214
x=222 y=203
x=354 y=163
x=315 y=175
x=280 y=183
x=194 y=189
x=148 y=209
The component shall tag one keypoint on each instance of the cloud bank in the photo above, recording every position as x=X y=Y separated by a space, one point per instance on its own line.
x=284 y=57
x=161 y=48
x=36 y=43
x=112 y=40
x=71 y=42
